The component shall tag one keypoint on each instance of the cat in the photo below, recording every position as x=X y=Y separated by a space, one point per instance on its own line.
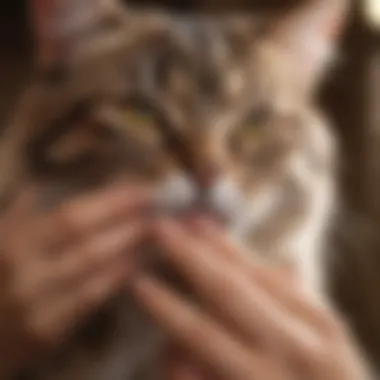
x=218 y=113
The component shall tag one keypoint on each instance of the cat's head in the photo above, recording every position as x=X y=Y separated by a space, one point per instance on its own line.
x=215 y=112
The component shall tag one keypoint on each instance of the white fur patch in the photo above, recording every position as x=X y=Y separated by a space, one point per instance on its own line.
x=177 y=192
x=243 y=213
x=306 y=246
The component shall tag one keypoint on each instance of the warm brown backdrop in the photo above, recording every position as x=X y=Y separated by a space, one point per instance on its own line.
x=347 y=96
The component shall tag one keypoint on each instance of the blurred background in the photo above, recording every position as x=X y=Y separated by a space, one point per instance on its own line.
x=351 y=97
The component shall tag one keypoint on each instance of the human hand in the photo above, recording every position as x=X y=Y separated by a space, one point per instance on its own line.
x=253 y=322
x=57 y=268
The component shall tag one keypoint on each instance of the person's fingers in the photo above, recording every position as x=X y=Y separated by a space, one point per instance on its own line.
x=220 y=241
x=185 y=370
x=236 y=299
x=67 y=269
x=291 y=296
x=236 y=253
x=58 y=314
x=222 y=289
x=203 y=338
x=81 y=216
x=100 y=249
x=190 y=254
x=180 y=365
x=277 y=282
x=233 y=251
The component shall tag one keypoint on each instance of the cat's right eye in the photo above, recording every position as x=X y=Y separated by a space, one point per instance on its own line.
x=258 y=119
x=139 y=117
x=251 y=132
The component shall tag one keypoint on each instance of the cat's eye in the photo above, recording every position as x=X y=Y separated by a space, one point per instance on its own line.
x=251 y=131
x=138 y=117
x=254 y=125
x=141 y=121
x=256 y=122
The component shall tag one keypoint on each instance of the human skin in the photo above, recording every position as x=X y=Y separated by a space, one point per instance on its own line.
x=254 y=322
x=57 y=268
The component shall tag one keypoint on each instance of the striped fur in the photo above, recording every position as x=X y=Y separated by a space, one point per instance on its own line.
x=235 y=133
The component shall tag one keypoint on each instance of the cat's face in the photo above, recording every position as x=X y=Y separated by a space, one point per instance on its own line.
x=215 y=114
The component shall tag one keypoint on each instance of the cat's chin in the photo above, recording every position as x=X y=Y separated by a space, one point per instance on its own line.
x=223 y=203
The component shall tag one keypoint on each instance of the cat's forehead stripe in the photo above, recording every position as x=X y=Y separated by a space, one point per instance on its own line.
x=199 y=53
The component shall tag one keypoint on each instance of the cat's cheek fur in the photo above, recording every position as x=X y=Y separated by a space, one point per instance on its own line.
x=242 y=212
x=307 y=246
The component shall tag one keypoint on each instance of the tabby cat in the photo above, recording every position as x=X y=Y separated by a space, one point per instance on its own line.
x=217 y=113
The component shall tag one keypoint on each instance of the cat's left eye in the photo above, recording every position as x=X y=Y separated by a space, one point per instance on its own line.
x=251 y=132
x=138 y=117
x=254 y=125
x=258 y=119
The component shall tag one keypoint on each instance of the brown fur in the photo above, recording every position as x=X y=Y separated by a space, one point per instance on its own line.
x=230 y=109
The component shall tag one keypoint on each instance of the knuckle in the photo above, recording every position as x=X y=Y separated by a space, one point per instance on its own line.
x=67 y=220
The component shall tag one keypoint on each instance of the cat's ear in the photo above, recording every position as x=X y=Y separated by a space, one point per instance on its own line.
x=57 y=22
x=309 y=34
